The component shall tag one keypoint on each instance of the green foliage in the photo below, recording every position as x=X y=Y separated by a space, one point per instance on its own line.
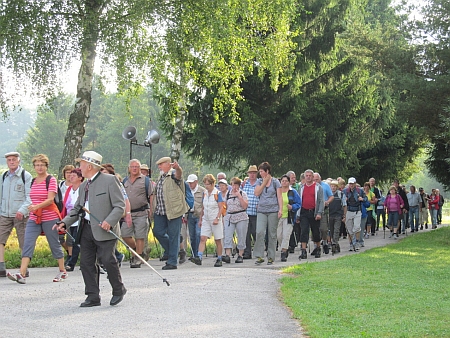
x=362 y=293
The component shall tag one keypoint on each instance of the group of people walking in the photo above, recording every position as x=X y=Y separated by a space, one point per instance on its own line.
x=254 y=217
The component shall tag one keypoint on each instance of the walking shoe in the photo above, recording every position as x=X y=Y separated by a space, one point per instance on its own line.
x=60 y=276
x=357 y=247
x=164 y=258
x=417 y=229
x=390 y=235
x=351 y=248
x=2 y=273
x=338 y=247
x=247 y=257
x=326 y=249
x=317 y=253
x=16 y=277
x=259 y=261
x=291 y=249
x=135 y=263
x=196 y=260
x=366 y=236
x=283 y=256
x=169 y=267
x=270 y=261
x=69 y=268
x=226 y=259
x=303 y=255
x=412 y=230
x=182 y=254
x=426 y=226
x=239 y=260
x=333 y=249
x=218 y=263
x=395 y=236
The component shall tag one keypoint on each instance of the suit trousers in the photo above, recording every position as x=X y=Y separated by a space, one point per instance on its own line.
x=104 y=250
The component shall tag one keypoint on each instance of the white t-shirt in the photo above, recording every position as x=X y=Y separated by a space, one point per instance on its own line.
x=70 y=202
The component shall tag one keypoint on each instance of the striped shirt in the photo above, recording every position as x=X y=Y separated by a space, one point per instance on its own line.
x=160 y=208
x=39 y=194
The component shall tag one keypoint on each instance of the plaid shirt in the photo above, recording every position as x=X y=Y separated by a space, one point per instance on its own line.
x=252 y=199
x=160 y=205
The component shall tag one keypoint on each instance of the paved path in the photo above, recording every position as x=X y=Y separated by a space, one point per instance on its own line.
x=240 y=300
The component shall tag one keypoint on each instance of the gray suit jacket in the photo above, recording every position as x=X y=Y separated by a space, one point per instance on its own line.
x=106 y=203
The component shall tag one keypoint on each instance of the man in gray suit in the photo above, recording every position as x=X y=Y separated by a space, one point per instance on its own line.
x=99 y=193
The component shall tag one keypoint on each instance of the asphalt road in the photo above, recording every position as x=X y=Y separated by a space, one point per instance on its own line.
x=240 y=300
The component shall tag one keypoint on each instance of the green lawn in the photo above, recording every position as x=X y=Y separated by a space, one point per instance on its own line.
x=401 y=290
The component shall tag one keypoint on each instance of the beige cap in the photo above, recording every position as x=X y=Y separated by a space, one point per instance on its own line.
x=144 y=166
x=91 y=157
x=252 y=168
x=12 y=153
x=163 y=160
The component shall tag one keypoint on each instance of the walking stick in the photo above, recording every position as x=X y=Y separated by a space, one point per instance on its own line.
x=129 y=248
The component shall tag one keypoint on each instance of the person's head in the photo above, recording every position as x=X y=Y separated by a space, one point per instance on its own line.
x=134 y=167
x=366 y=186
x=285 y=181
x=40 y=163
x=309 y=176
x=302 y=178
x=334 y=185
x=223 y=185
x=221 y=176
x=421 y=191
x=352 y=183
x=265 y=169
x=192 y=180
x=252 y=172
x=433 y=191
x=341 y=183
x=236 y=183
x=12 y=160
x=392 y=189
x=107 y=168
x=164 y=165
x=437 y=191
x=412 y=189
x=145 y=169
x=76 y=177
x=90 y=163
x=396 y=183
x=209 y=181
x=372 y=182
x=292 y=176
x=317 y=178
x=67 y=170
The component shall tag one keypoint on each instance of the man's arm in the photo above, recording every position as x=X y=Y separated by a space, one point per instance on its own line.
x=27 y=188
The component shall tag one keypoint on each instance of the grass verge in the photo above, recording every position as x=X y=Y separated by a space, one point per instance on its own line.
x=400 y=290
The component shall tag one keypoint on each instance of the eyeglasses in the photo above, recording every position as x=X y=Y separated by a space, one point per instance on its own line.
x=134 y=166
x=39 y=165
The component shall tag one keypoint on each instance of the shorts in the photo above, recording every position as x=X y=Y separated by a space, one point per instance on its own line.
x=6 y=226
x=139 y=228
x=208 y=229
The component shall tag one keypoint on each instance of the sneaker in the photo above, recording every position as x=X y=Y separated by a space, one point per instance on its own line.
x=196 y=260
x=69 y=268
x=259 y=261
x=351 y=248
x=218 y=263
x=226 y=259
x=16 y=277
x=317 y=253
x=390 y=235
x=60 y=276
x=326 y=249
x=362 y=245
x=426 y=226
x=182 y=254
x=135 y=263
x=421 y=227
x=395 y=236
x=303 y=255
x=338 y=248
x=2 y=273
x=283 y=256
x=333 y=249
x=270 y=261
x=240 y=259
x=27 y=274
x=366 y=236
x=357 y=247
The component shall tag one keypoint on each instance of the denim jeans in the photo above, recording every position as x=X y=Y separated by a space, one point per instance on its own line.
x=434 y=213
x=363 y=228
x=194 y=232
x=414 y=217
x=167 y=232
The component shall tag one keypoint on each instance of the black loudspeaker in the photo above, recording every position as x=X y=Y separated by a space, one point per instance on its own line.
x=129 y=133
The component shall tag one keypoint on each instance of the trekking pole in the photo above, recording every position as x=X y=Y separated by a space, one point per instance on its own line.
x=129 y=248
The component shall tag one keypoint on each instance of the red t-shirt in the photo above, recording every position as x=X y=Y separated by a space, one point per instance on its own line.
x=309 y=197
x=39 y=194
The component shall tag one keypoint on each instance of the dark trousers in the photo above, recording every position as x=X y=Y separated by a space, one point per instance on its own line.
x=104 y=250
x=75 y=248
x=251 y=235
x=381 y=214
x=308 y=221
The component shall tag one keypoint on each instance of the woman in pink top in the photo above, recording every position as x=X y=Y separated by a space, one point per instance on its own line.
x=433 y=205
x=393 y=205
x=43 y=216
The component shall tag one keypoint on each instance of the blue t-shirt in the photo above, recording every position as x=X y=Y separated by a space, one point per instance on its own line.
x=326 y=190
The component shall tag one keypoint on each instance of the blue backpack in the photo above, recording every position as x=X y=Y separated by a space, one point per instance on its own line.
x=188 y=195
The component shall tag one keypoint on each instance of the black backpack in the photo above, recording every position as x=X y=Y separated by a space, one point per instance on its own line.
x=23 y=176
x=58 y=197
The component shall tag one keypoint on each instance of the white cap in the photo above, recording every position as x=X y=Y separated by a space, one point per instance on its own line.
x=224 y=181
x=12 y=153
x=352 y=180
x=191 y=178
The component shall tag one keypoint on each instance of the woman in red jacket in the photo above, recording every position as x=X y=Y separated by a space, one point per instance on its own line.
x=433 y=205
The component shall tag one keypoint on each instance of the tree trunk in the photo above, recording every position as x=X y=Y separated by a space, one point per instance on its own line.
x=80 y=115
